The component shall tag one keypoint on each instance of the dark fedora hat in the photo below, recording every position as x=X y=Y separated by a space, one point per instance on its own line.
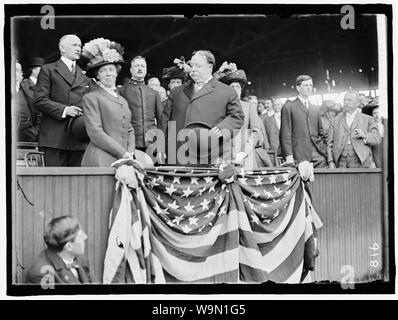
x=204 y=147
x=37 y=62
x=77 y=129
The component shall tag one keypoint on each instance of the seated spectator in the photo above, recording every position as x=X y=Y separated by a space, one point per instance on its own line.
x=61 y=262
x=351 y=135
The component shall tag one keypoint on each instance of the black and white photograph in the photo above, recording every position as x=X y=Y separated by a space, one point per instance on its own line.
x=199 y=149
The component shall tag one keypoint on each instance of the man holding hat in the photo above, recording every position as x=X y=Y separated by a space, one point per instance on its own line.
x=205 y=100
x=58 y=95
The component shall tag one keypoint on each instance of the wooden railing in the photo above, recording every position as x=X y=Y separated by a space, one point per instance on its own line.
x=350 y=203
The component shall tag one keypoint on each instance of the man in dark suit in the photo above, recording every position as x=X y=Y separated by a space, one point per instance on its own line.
x=61 y=262
x=351 y=136
x=144 y=103
x=301 y=135
x=58 y=95
x=205 y=100
x=28 y=117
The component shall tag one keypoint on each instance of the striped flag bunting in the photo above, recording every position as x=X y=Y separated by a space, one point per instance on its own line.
x=210 y=225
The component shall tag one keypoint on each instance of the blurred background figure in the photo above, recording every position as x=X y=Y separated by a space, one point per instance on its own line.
x=364 y=100
x=154 y=83
x=272 y=123
x=328 y=109
x=18 y=76
x=28 y=117
x=373 y=109
x=261 y=109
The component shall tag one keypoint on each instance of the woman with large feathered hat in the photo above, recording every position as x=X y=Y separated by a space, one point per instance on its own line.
x=106 y=114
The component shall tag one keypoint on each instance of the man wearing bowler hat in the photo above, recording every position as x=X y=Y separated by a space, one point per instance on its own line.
x=204 y=99
x=58 y=95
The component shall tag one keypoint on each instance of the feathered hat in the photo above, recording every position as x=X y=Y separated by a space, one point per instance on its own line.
x=229 y=73
x=100 y=52
x=179 y=71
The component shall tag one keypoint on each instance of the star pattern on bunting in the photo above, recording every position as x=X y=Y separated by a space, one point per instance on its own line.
x=187 y=192
x=170 y=190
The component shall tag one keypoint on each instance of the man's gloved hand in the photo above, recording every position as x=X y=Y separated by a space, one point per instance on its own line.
x=306 y=171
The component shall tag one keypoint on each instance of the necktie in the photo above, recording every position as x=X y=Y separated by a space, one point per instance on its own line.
x=73 y=68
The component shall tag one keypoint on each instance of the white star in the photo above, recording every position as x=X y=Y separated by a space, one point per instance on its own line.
x=176 y=180
x=220 y=200
x=285 y=176
x=258 y=180
x=272 y=179
x=193 y=220
x=186 y=229
x=208 y=179
x=158 y=209
x=256 y=194
x=277 y=190
x=194 y=180
x=178 y=219
x=170 y=190
x=174 y=205
x=288 y=182
x=267 y=221
x=275 y=201
x=264 y=205
x=288 y=192
x=160 y=178
x=187 y=192
x=230 y=180
x=171 y=224
x=222 y=211
x=210 y=214
x=153 y=183
x=201 y=191
x=205 y=204
x=255 y=219
x=212 y=189
x=268 y=194
x=243 y=180
x=188 y=207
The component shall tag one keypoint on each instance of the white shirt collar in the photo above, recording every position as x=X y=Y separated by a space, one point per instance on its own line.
x=303 y=100
x=264 y=112
x=271 y=113
x=206 y=81
x=33 y=79
x=68 y=62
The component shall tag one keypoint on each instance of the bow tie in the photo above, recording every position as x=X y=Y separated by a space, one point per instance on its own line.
x=71 y=265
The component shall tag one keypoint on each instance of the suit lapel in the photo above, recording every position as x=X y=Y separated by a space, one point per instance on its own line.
x=343 y=121
x=59 y=266
x=78 y=78
x=189 y=90
x=301 y=105
x=63 y=70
